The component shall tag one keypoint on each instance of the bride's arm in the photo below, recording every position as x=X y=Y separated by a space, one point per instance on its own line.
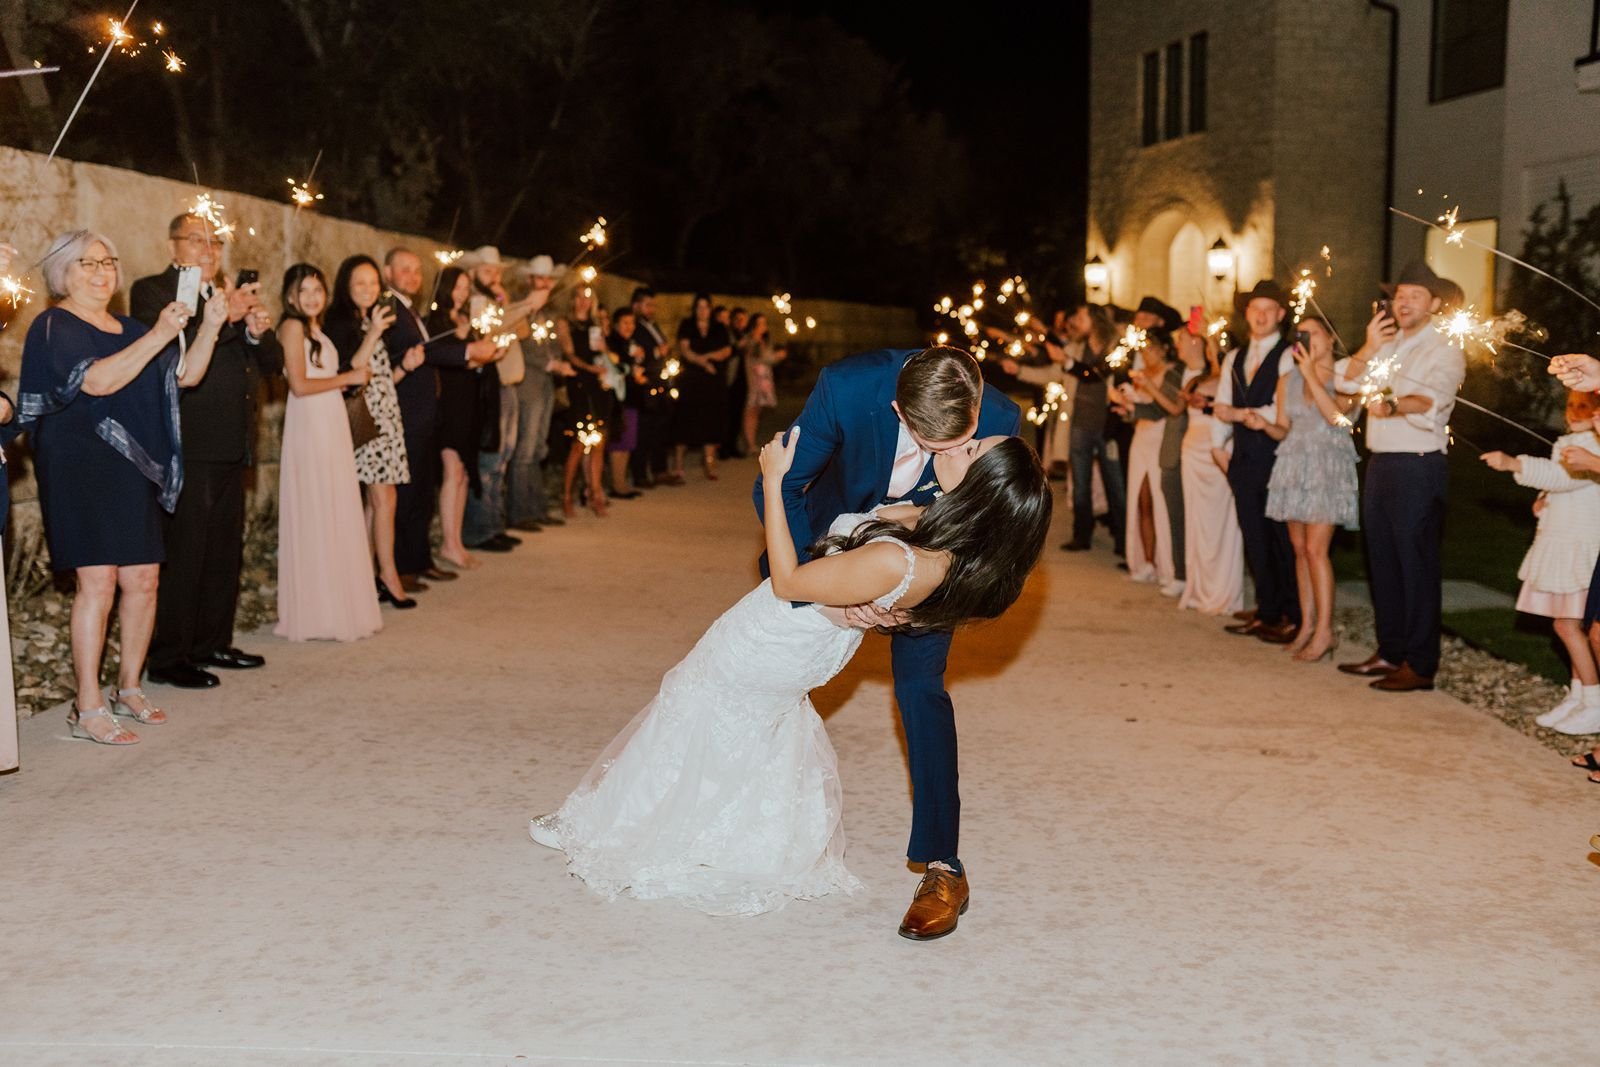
x=840 y=580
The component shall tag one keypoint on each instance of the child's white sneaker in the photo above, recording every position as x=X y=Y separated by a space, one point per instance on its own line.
x=1573 y=702
x=1586 y=720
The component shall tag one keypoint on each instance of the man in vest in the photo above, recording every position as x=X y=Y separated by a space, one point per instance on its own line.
x=1245 y=406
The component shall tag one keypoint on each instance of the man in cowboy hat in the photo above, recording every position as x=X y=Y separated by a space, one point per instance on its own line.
x=1409 y=374
x=1153 y=314
x=1245 y=406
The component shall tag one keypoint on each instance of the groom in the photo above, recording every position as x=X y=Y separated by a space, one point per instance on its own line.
x=873 y=424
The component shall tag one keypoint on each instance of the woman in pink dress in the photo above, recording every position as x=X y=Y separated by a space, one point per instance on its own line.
x=325 y=586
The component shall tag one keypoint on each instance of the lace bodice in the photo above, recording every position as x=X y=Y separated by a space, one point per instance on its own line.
x=847 y=522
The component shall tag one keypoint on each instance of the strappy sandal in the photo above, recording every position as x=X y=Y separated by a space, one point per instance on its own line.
x=1587 y=762
x=98 y=726
x=149 y=715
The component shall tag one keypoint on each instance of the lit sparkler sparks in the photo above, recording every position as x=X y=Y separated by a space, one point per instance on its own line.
x=1053 y=394
x=589 y=435
x=1453 y=233
x=1465 y=326
x=175 y=65
x=1133 y=339
x=446 y=257
x=505 y=340
x=12 y=289
x=595 y=236
x=300 y=193
x=588 y=274
x=207 y=208
x=490 y=319
x=1305 y=288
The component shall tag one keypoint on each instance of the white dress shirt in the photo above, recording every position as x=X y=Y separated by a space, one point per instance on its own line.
x=1255 y=354
x=1426 y=365
x=910 y=460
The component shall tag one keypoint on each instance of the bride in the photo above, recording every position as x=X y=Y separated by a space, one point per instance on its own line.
x=723 y=793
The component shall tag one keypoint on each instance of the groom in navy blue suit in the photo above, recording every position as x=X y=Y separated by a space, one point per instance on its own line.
x=872 y=425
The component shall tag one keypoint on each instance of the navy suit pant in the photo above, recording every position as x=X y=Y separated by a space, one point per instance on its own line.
x=929 y=720
x=413 y=516
x=1267 y=548
x=1402 y=512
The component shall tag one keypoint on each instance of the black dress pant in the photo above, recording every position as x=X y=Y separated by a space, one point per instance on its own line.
x=1402 y=512
x=1267 y=548
x=199 y=590
x=414 y=501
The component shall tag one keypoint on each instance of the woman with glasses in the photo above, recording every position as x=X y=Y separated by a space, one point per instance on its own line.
x=99 y=396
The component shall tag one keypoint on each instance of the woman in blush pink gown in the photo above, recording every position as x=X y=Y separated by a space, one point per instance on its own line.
x=325 y=586
x=1213 y=546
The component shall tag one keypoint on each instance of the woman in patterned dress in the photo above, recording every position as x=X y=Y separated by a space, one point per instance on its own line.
x=356 y=322
x=1313 y=486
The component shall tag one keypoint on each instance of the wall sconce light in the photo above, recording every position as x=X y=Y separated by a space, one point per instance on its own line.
x=1219 y=260
x=1096 y=275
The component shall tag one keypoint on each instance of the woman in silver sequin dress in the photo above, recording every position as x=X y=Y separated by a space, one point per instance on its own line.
x=1313 y=486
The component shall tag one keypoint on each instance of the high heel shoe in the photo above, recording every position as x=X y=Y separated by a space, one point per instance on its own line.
x=1327 y=653
x=566 y=506
x=386 y=596
x=149 y=715
x=710 y=467
x=98 y=726
x=597 y=501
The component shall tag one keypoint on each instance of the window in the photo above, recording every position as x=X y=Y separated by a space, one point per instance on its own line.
x=1151 y=98
x=1197 y=82
x=1469 y=267
x=1469 y=48
x=1162 y=85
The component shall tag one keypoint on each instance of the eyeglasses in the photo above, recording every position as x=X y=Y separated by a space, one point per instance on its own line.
x=90 y=266
x=196 y=239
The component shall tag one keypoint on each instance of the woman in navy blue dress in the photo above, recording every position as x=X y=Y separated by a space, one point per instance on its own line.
x=99 y=397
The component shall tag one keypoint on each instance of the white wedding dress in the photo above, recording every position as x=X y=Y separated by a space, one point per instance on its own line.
x=723 y=793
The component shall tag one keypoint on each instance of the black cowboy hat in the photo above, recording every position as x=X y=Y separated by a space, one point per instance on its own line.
x=1265 y=289
x=1170 y=319
x=1419 y=273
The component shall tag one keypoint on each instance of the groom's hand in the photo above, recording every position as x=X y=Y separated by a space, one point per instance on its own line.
x=868 y=617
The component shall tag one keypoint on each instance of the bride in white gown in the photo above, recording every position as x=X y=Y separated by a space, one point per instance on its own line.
x=723 y=793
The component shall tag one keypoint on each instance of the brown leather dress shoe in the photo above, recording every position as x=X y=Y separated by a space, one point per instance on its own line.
x=410 y=583
x=1282 y=634
x=1369 y=667
x=439 y=574
x=941 y=899
x=1246 y=615
x=1245 y=629
x=1403 y=680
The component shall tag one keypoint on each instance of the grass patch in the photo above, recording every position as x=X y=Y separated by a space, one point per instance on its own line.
x=1511 y=635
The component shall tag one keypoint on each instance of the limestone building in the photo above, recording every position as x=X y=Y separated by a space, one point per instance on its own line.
x=1233 y=139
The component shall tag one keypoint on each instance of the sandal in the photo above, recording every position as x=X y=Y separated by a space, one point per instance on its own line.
x=98 y=726
x=1587 y=762
x=150 y=715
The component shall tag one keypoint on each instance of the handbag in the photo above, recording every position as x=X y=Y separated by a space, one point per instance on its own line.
x=363 y=427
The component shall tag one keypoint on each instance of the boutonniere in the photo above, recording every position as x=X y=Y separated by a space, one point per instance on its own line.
x=929 y=485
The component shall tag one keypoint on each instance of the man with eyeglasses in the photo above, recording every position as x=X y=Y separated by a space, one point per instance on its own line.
x=199 y=589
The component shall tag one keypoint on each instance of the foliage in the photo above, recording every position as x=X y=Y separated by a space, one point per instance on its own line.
x=727 y=147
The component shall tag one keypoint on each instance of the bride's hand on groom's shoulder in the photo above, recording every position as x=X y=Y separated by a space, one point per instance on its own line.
x=777 y=455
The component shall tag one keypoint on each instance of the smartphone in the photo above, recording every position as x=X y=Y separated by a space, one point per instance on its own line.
x=388 y=300
x=1197 y=320
x=247 y=277
x=189 y=287
x=1303 y=339
x=1380 y=306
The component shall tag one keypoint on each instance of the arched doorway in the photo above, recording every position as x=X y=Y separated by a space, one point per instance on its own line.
x=1186 y=268
x=1171 y=259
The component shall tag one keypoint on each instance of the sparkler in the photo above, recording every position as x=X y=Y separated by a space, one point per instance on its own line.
x=12 y=289
x=490 y=319
x=1453 y=234
x=24 y=72
x=588 y=435
x=1133 y=339
x=300 y=192
x=207 y=208
x=1304 y=288
x=1053 y=393
x=174 y=64
x=595 y=236
x=116 y=26
x=783 y=304
x=444 y=259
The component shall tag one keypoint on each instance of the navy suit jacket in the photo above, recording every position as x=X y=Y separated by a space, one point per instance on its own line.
x=418 y=391
x=848 y=434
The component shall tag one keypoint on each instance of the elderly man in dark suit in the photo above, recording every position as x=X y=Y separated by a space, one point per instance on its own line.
x=199 y=590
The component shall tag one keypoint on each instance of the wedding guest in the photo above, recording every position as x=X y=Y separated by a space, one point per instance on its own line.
x=484 y=527
x=655 y=408
x=527 y=505
x=1402 y=506
x=760 y=357
x=1087 y=432
x=737 y=376
x=628 y=381
x=357 y=320
x=9 y=756
x=460 y=417
x=419 y=394
x=1556 y=573
x=588 y=415
x=99 y=397
x=703 y=346
x=1168 y=396
x=198 y=594
x=325 y=580
x=1149 y=539
x=1313 y=487
x=1213 y=547
x=1250 y=376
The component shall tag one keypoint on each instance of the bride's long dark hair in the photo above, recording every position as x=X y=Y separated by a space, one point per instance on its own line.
x=993 y=525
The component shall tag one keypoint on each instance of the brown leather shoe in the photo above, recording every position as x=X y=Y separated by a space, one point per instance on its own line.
x=1369 y=667
x=410 y=583
x=1246 y=615
x=1245 y=629
x=439 y=574
x=941 y=899
x=1403 y=680
x=1282 y=634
